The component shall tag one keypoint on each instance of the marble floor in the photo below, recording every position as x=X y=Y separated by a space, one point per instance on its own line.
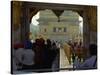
x=63 y=60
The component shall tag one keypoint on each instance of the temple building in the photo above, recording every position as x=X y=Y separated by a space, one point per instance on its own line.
x=49 y=27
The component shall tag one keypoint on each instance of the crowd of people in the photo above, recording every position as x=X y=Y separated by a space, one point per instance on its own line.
x=73 y=49
x=43 y=55
x=77 y=55
x=39 y=56
x=90 y=62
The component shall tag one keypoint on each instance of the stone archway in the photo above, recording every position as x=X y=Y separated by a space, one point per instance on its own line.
x=29 y=9
x=84 y=11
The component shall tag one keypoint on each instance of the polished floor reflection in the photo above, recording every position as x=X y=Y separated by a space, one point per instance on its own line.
x=63 y=60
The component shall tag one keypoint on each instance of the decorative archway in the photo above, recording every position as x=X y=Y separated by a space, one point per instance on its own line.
x=29 y=9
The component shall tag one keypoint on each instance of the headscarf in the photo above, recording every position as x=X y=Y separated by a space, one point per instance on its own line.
x=27 y=44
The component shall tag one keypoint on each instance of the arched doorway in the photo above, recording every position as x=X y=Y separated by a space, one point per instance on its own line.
x=30 y=9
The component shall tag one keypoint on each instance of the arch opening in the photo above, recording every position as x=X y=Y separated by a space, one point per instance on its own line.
x=68 y=30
